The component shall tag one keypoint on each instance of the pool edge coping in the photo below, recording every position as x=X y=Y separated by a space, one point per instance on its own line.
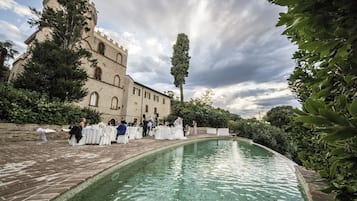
x=76 y=189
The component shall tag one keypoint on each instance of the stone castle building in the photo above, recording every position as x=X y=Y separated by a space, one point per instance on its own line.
x=111 y=91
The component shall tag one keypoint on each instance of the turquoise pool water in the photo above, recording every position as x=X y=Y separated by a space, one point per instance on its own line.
x=208 y=170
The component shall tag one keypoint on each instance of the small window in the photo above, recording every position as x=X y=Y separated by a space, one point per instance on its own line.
x=101 y=48
x=163 y=101
x=119 y=58
x=136 y=91
x=117 y=80
x=98 y=73
x=146 y=108
x=156 y=98
x=94 y=99
x=155 y=110
x=114 y=105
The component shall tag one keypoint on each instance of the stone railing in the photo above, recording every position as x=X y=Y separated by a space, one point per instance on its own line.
x=10 y=132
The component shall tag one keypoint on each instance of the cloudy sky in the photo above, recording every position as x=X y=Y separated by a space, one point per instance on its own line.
x=236 y=50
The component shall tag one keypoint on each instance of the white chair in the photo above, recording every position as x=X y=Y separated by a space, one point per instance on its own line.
x=73 y=141
x=123 y=139
x=105 y=137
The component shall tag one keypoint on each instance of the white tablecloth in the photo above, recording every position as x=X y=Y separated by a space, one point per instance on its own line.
x=92 y=134
x=223 y=131
x=134 y=132
x=168 y=133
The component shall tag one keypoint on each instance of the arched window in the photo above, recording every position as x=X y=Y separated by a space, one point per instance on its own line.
x=101 y=48
x=98 y=73
x=94 y=99
x=114 y=105
x=117 y=80
x=119 y=58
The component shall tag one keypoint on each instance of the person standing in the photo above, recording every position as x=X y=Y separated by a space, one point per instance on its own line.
x=194 y=125
x=145 y=127
x=149 y=127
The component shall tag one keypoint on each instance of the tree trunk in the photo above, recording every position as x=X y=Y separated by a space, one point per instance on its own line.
x=181 y=93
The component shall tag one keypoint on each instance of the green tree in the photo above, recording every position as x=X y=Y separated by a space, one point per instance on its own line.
x=54 y=72
x=325 y=80
x=180 y=61
x=6 y=52
x=280 y=116
x=54 y=68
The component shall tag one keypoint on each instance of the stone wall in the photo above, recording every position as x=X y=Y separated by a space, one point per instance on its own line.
x=27 y=132
x=313 y=185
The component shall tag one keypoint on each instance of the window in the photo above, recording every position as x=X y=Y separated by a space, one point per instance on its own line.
x=114 y=105
x=101 y=48
x=119 y=58
x=117 y=80
x=136 y=91
x=163 y=100
x=155 y=110
x=98 y=73
x=93 y=99
x=146 y=108
x=146 y=95
x=156 y=98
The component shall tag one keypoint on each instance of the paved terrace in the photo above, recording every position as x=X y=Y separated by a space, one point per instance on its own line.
x=33 y=170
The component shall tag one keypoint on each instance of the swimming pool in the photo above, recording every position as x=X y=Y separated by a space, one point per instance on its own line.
x=208 y=170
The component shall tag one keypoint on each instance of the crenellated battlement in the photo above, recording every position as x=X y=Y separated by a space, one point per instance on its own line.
x=111 y=41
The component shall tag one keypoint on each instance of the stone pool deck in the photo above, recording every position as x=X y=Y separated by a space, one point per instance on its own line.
x=33 y=170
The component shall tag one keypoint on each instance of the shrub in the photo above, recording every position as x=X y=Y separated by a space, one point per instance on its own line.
x=265 y=134
x=22 y=106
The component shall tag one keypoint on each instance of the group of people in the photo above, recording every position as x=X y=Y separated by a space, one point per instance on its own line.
x=122 y=127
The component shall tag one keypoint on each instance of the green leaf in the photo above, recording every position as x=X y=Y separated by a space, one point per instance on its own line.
x=312 y=106
x=341 y=134
x=353 y=108
x=333 y=168
x=350 y=79
x=334 y=117
x=299 y=112
x=312 y=120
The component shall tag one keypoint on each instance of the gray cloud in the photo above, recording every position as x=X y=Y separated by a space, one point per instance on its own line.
x=233 y=43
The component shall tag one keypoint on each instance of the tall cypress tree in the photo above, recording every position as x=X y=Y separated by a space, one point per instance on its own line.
x=180 y=61
x=54 y=67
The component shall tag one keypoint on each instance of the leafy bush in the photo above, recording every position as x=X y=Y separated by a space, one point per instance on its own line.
x=204 y=114
x=22 y=106
x=265 y=134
